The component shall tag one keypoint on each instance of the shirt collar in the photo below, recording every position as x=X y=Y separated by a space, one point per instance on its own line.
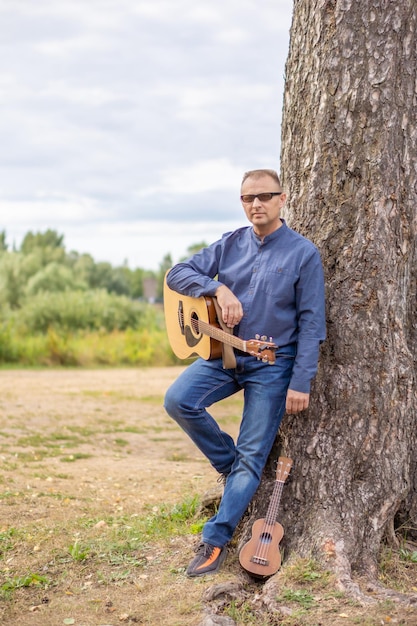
x=279 y=232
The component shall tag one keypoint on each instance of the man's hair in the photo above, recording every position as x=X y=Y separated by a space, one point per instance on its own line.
x=260 y=173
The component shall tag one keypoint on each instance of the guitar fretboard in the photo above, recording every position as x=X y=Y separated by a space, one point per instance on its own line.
x=218 y=333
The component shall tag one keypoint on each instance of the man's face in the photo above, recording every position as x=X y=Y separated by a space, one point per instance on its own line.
x=264 y=215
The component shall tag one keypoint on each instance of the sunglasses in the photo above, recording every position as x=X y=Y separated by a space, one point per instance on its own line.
x=262 y=197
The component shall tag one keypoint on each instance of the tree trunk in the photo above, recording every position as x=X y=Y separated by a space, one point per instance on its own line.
x=349 y=154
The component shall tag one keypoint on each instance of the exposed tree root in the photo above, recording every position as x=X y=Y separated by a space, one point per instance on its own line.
x=339 y=564
x=267 y=597
x=264 y=599
x=272 y=588
x=217 y=620
x=224 y=591
x=385 y=593
x=216 y=597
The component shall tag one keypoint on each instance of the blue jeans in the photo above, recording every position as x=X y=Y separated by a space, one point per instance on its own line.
x=265 y=388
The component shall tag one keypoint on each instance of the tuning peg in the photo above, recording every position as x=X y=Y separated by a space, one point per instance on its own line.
x=257 y=336
x=264 y=337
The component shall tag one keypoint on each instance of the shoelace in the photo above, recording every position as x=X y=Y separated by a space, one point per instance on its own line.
x=205 y=549
x=222 y=479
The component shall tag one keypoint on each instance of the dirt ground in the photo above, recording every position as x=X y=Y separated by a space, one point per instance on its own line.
x=85 y=453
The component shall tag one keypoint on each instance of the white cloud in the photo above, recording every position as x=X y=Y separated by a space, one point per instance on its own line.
x=115 y=111
x=79 y=95
x=49 y=208
x=139 y=243
x=210 y=175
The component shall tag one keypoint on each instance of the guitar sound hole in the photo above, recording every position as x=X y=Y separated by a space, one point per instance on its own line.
x=266 y=538
x=194 y=323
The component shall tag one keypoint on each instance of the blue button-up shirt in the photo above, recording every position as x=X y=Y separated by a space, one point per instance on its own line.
x=278 y=280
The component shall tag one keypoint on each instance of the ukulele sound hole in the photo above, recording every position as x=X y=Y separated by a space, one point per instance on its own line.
x=266 y=538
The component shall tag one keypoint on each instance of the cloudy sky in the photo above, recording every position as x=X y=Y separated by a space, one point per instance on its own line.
x=126 y=125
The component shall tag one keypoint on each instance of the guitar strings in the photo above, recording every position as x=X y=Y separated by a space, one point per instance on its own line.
x=264 y=350
x=200 y=326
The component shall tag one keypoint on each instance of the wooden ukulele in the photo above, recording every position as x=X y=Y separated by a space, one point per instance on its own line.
x=193 y=329
x=260 y=556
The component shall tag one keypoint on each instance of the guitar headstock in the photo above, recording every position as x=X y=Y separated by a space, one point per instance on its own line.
x=263 y=350
x=283 y=468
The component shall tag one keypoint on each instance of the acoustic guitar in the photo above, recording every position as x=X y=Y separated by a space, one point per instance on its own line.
x=193 y=329
x=261 y=556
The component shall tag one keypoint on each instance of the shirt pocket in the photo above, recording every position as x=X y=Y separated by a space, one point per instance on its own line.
x=279 y=283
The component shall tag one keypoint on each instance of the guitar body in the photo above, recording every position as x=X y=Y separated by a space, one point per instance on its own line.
x=185 y=340
x=194 y=330
x=261 y=556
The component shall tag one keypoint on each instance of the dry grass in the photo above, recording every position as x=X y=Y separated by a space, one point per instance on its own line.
x=98 y=492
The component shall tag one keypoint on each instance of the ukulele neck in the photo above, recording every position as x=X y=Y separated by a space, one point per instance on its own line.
x=271 y=514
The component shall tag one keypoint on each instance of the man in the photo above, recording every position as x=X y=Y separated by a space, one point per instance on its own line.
x=269 y=281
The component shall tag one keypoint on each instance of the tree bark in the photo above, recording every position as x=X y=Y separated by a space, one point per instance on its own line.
x=349 y=155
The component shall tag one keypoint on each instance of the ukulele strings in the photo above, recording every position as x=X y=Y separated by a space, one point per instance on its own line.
x=269 y=522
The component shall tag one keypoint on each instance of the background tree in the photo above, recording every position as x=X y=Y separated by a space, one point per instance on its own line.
x=3 y=241
x=48 y=239
x=54 y=277
x=164 y=266
x=12 y=285
x=104 y=276
x=194 y=248
x=43 y=264
x=348 y=159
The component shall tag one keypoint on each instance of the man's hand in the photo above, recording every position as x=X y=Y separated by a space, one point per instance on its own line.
x=296 y=401
x=232 y=311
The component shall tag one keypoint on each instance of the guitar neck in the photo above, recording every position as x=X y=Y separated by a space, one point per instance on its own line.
x=221 y=335
x=271 y=514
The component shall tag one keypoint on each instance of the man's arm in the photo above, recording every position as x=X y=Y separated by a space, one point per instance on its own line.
x=232 y=310
x=311 y=321
x=195 y=277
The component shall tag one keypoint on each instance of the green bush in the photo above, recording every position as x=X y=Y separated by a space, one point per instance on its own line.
x=52 y=278
x=79 y=310
x=8 y=348
x=145 y=345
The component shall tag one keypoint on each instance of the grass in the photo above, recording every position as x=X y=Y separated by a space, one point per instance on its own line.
x=309 y=597
x=300 y=596
x=28 y=580
x=398 y=568
x=408 y=556
x=71 y=458
x=120 y=550
x=100 y=512
x=116 y=546
x=305 y=571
